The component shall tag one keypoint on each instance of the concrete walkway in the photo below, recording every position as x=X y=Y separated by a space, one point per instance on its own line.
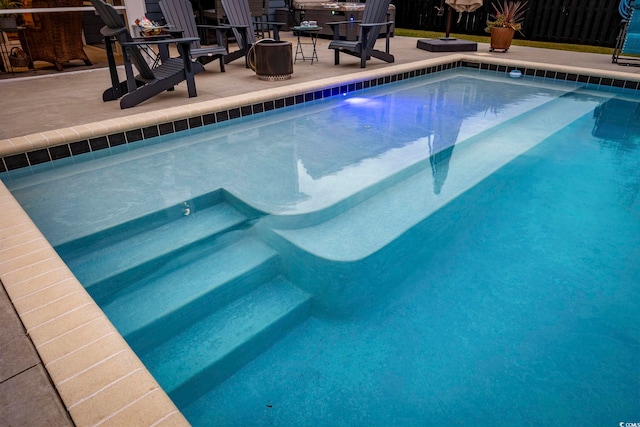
x=47 y=102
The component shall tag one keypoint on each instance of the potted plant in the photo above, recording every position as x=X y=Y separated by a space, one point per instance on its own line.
x=9 y=21
x=506 y=20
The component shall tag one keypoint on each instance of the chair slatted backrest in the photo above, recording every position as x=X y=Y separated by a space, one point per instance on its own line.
x=632 y=39
x=374 y=11
x=179 y=14
x=238 y=13
x=114 y=21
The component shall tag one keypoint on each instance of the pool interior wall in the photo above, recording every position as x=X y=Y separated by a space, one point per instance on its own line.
x=270 y=406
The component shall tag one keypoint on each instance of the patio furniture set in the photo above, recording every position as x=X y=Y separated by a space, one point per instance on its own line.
x=180 y=17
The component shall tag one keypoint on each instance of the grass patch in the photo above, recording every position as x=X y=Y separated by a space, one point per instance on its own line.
x=516 y=42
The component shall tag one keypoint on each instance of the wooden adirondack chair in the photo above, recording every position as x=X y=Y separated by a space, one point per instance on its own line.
x=150 y=82
x=179 y=14
x=238 y=15
x=374 y=17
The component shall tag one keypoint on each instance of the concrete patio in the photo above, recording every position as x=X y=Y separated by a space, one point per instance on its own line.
x=36 y=104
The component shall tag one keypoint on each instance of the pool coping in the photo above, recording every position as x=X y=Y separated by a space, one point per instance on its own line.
x=99 y=378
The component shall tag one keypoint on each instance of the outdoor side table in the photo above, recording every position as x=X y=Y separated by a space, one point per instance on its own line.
x=313 y=34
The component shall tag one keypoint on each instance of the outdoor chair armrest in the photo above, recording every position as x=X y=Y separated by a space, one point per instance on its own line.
x=377 y=24
x=175 y=32
x=244 y=27
x=213 y=27
x=111 y=32
x=149 y=39
x=220 y=31
x=334 y=23
x=183 y=40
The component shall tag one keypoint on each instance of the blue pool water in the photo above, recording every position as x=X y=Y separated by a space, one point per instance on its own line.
x=450 y=250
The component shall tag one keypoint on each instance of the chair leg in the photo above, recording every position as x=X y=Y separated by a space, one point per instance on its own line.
x=336 y=57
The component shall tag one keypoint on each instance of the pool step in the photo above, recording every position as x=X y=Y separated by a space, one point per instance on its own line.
x=202 y=356
x=379 y=220
x=106 y=270
x=194 y=285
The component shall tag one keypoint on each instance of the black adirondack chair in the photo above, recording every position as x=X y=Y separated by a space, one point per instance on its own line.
x=149 y=82
x=179 y=14
x=374 y=17
x=238 y=15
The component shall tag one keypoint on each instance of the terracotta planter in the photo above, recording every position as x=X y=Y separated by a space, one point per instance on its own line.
x=501 y=38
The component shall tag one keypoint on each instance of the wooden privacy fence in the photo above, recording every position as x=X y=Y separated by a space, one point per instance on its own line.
x=590 y=22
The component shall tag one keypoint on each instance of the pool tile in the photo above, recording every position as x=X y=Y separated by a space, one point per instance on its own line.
x=23 y=255
x=268 y=105
x=59 y=288
x=58 y=347
x=165 y=128
x=98 y=143
x=150 y=409
x=246 y=110
x=17 y=238
x=21 y=270
x=134 y=135
x=150 y=132
x=126 y=398
x=116 y=139
x=16 y=161
x=79 y=147
x=195 y=122
x=38 y=156
x=208 y=119
x=257 y=108
x=88 y=405
x=86 y=355
x=34 y=284
x=62 y=324
x=59 y=152
x=234 y=113
x=63 y=300
x=91 y=384
x=222 y=116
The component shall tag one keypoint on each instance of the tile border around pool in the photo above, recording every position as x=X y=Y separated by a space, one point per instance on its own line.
x=43 y=147
x=100 y=379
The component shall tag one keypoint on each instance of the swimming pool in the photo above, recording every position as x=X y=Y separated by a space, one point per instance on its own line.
x=429 y=271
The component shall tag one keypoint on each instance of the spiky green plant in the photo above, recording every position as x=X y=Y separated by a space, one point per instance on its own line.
x=508 y=14
x=10 y=4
